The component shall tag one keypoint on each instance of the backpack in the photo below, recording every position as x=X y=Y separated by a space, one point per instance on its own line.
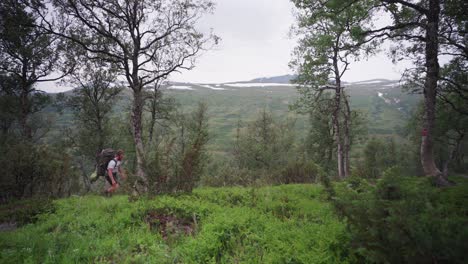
x=102 y=161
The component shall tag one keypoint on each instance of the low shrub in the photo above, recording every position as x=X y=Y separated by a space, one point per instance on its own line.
x=405 y=219
x=22 y=212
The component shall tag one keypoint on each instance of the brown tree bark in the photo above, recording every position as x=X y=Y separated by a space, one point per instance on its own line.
x=430 y=87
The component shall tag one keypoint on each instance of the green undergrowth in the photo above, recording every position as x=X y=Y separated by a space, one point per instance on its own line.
x=282 y=224
x=23 y=212
x=390 y=220
x=405 y=219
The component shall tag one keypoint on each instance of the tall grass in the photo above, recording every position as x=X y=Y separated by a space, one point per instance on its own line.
x=283 y=224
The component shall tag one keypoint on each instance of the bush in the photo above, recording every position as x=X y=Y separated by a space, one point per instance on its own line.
x=22 y=212
x=36 y=170
x=381 y=154
x=405 y=219
x=300 y=171
x=227 y=174
x=181 y=158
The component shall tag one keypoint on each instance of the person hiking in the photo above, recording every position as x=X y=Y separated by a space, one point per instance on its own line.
x=114 y=170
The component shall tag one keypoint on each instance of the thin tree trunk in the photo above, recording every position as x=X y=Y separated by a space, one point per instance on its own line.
x=430 y=86
x=141 y=184
x=336 y=118
x=346 y=136
x=339 y=147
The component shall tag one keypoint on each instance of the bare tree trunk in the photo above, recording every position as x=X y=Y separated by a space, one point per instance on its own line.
x=336 y=118
x=430 y=86
x=346 y=136
x=141 y=184
x=336 y=127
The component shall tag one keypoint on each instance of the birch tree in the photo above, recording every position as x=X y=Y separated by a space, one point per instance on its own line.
x=147 y=40
x=330 y=39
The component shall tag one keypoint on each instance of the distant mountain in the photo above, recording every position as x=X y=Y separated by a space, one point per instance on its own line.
x=372 y=81
x=275 y=79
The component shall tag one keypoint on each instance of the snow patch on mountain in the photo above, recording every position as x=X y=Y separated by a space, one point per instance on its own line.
x=368 y=82
x=391 y=85
x=211 y=87
x=241 y=85
x=392 y=101
x=180 y=87
x=381 y=95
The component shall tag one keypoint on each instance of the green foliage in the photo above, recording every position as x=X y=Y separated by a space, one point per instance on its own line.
x=92 y=101
x=222 y=171
x=320 y=144
x=379 y=154
x=180 y=158
x=22 y=111
x=265 y=152
x=300 y=171
x=263 y=143
x=284 y=224
x=226 y=108
x=405 y=219
x=29 y=170
x=330 y=40
x=27 y=55
x=26 y=211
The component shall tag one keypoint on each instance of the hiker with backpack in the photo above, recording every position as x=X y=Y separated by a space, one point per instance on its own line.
x=108 y=164
x=113 y=172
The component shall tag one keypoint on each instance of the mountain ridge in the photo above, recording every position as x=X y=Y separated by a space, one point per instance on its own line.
x=280 y=80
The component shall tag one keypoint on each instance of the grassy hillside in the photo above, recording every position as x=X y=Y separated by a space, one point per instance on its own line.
x=284 y=224
x=391 y=220
x=382 y=101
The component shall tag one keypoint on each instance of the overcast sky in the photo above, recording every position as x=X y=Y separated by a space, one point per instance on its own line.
x=255 y=43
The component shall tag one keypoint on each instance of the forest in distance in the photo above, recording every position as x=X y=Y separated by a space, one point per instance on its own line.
x=129 y=166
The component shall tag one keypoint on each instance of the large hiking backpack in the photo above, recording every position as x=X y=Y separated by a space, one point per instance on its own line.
x=102 y=160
